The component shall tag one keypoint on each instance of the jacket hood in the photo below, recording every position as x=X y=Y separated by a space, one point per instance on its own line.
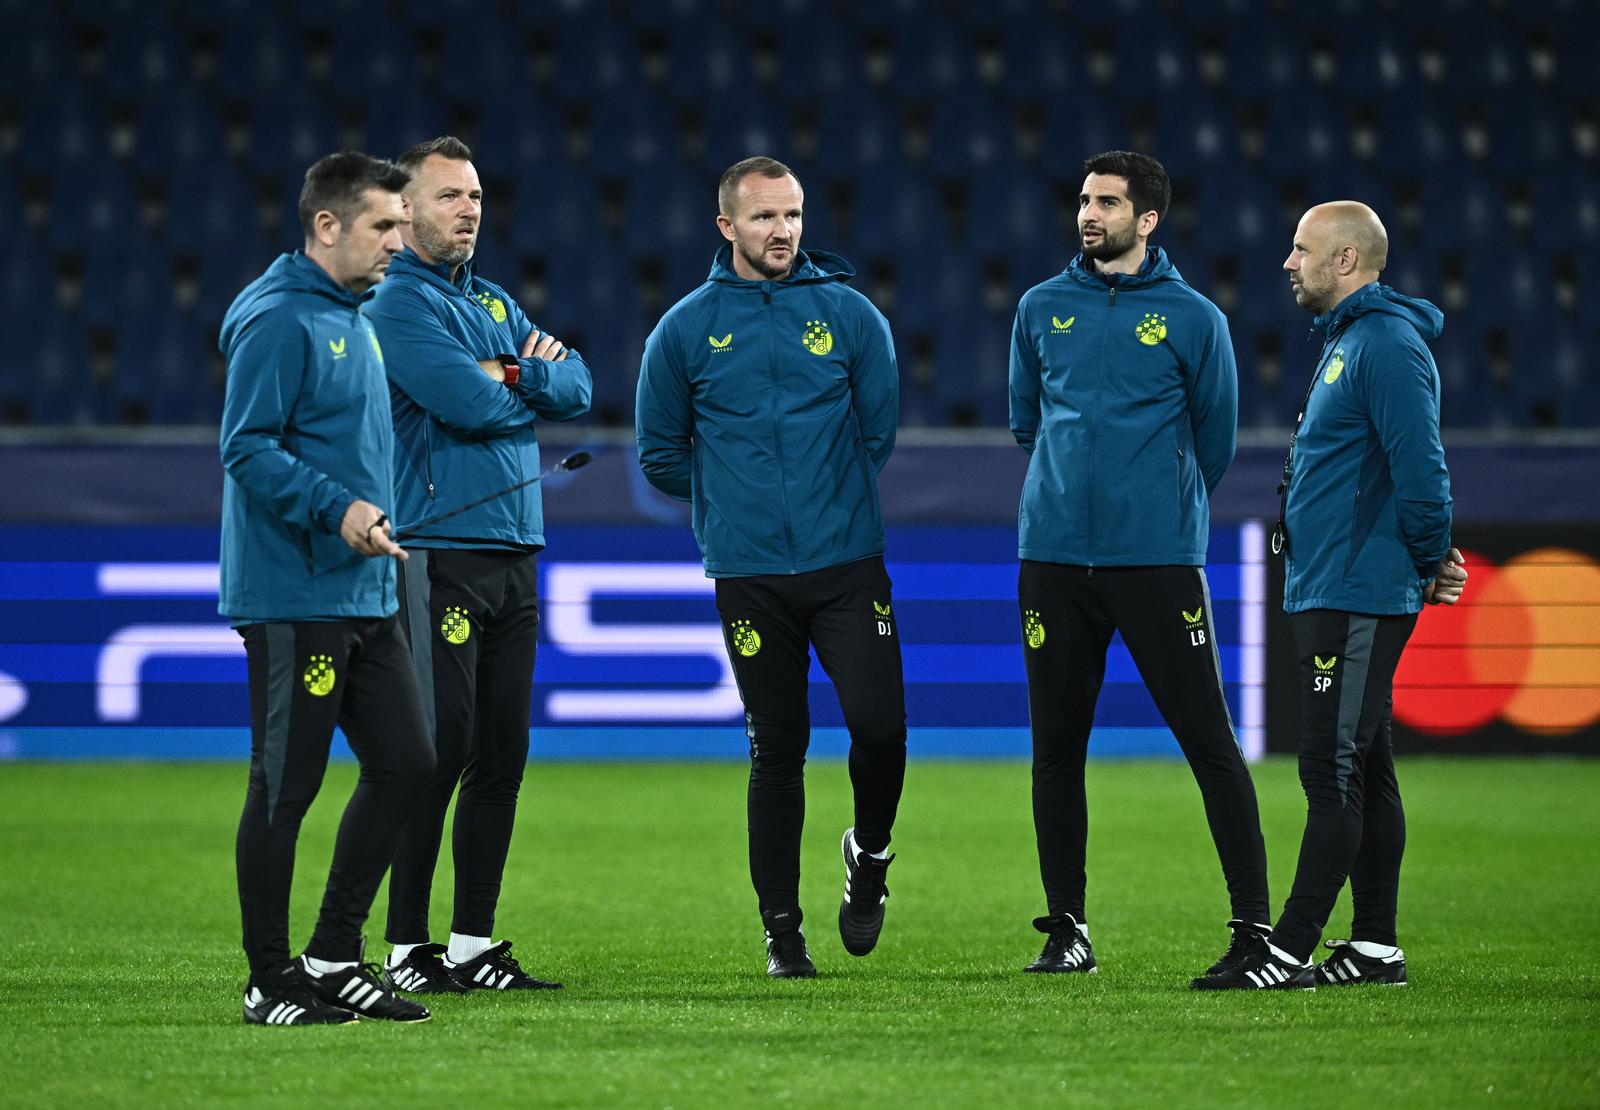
x=290 y=273
x=411 y=262
x=1375 y=297
x=808 y=266
x=1157 y=267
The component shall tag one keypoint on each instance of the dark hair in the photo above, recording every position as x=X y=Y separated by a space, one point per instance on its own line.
x=339 y=183
x=1149 y=188
x=445 y=146
x=729 y=185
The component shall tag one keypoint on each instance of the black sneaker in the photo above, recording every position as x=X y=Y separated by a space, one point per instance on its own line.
x=787 y=957
x=1347 y=966
x=364 y=990
x=1260 y=971
x=861 y=911
x=1065 y=950
x=281 y=998
x=495 y=969
x=424 y=971
x=1249 y=941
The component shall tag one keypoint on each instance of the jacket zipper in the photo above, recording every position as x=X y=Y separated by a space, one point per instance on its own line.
x=1094 y=435
x=777 y=425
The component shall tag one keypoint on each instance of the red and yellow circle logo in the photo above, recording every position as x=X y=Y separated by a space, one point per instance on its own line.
x=1523 y=646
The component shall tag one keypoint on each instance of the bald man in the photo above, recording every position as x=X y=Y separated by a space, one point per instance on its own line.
x=1364 y=524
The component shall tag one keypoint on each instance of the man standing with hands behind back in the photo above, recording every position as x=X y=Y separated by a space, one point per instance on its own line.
x=1365 y=527
x=1124 y=391
x=471 y=378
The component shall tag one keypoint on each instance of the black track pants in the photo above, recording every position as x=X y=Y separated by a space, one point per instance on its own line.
x=305 y=677
x=472 y=619
x=1355 y=824
x=770 y=622
x=1164 y=615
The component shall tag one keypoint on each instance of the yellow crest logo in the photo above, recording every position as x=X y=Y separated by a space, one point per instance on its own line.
x=1325 y=665
x=1192 y=619
x=881 y=610
x=1335 y=367
x=720 y=344
x=1152 y=329
x=456 y=626
x=1058 y=326
x=319 y=677
x=1033 y=629
x=746 y=640
x=337 y=347
x=817 y=338
x=494 y=306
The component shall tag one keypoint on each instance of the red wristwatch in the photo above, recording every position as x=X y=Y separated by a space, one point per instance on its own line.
x=511 y=366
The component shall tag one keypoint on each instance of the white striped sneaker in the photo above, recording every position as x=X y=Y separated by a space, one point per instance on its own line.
x=1347 y=966
x=495 y=969
x=1261 y=971
x=364 y=990
x=282 y=999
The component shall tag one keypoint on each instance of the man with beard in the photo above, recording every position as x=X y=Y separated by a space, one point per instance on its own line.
x=1365 y=528
x=464 y=410
x=1125 y=393
x=768 y=398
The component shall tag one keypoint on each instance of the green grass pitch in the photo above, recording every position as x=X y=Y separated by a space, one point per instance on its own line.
x=120 y=974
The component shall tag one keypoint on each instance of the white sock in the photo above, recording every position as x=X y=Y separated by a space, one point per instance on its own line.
x=860 y=851
x=1083 y=931
x=401 y=951
x=1285 y=957
x=319 y=968
x=464 y=948
x=1376 y=951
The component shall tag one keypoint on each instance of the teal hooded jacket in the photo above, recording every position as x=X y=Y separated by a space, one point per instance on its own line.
x=1368 y=513
x=305 y=432
x=459 y=434
x=771 y=406
x=1125 y=391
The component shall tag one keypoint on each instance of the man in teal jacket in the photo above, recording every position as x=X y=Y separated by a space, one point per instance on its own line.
x=471 y=379
x=308 y=580
x=1365 y=526
x=1124 y=391
x=768 y=399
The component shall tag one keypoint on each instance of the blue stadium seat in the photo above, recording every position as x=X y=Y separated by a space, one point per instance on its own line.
x=126 y=278
x=63 y=129
x=257 y=51
x=164 y=363
x=970 y=136
x=742 y=125
x=631 y=134
x=858 y=132
x=90 y=204
x=708 y=61
x=176 y=128
x=895 y=210
x=290 y=127
x=210 y=209
x=518 y=135
x=669 y=211
x=145 y=57
x=555 y=207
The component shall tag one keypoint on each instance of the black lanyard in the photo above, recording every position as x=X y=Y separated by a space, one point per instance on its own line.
x=1280 y=531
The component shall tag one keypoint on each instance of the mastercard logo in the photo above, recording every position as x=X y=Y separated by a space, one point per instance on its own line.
x=1523 y=647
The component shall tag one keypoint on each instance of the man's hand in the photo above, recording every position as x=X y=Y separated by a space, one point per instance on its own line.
x=492 y=367
x=540 y=345
x=366 y=528
x=1448 y=581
